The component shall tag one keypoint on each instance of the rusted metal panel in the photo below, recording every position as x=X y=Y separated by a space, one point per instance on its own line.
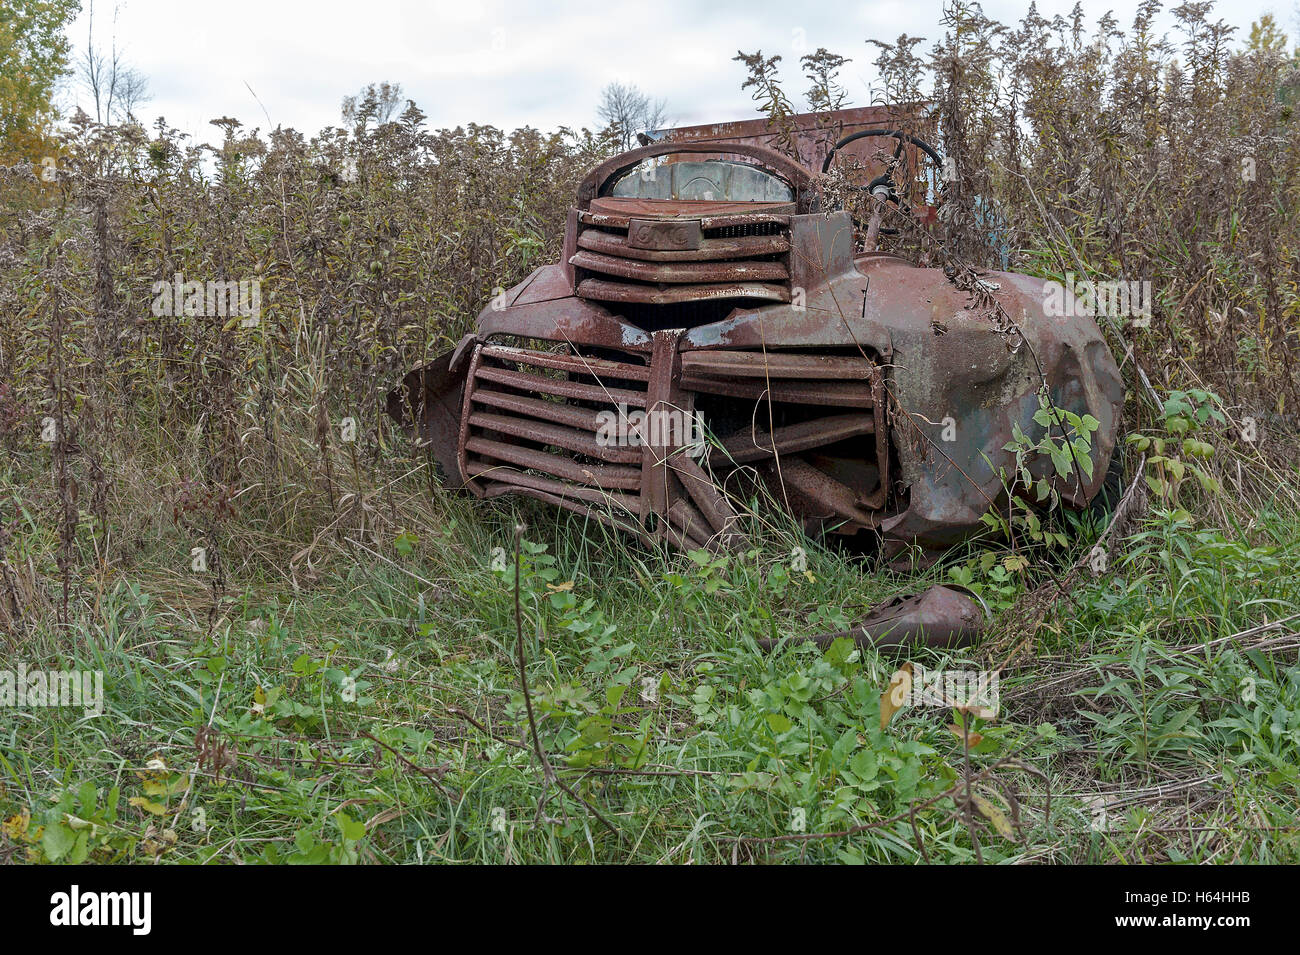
x=676 y=273
x=681 y=272
x=814 y=133
x=827 y=504
x=880 y=498
x=604 y=291
x=739 y=247
x=832 y=394
x=462 y=432
x=617 y=477
x=580 y=442
x=775 y=365
x=663 y=395
x=754 y=444
x=941 y=618
x=428 y=404
x=578 y=364
x=712 y=503
x=710 y=214
x=825 y=245
x=683 y=516
x=564 y=320
x=559 y=386
x=546 y=284
x=619 y=213
x=573 y=416
x=566 y=278
x=504 y=474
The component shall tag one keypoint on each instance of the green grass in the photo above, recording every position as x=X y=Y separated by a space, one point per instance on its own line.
x=376 y=714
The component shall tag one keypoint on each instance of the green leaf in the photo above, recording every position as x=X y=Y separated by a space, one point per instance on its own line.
x=351 y=828
x=80 y=849
x=56 y=841
x=864 y=765
x=779 y=722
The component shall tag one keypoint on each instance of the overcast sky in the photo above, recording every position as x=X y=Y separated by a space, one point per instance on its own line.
x=507 y=62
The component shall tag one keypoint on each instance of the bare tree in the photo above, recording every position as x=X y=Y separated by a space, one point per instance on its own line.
x=628 y=111
x=132 y=92
x=115 y=87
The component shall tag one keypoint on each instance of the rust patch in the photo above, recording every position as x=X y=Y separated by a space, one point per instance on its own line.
x=940 y=617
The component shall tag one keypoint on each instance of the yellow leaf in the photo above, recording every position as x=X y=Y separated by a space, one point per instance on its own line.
x=148 y=805
x=15 y=827
x=162 y=783
x=994 y=815
x=560 y=588
x=895 y=695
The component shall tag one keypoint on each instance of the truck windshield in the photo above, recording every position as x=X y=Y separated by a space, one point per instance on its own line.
x=717 y=180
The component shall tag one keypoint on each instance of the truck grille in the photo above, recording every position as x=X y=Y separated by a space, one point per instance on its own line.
x=660 y=261
x=534 y=423
x=531 y=426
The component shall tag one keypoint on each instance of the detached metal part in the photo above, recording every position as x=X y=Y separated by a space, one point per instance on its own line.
x=940 y=618
x=860 y=392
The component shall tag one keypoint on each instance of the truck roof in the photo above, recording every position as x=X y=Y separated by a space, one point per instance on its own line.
x=815 y=133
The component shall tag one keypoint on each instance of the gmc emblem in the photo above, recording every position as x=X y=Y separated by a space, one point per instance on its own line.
x=666 y=235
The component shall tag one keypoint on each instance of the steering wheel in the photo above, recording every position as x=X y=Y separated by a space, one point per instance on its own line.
x=883 y=186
